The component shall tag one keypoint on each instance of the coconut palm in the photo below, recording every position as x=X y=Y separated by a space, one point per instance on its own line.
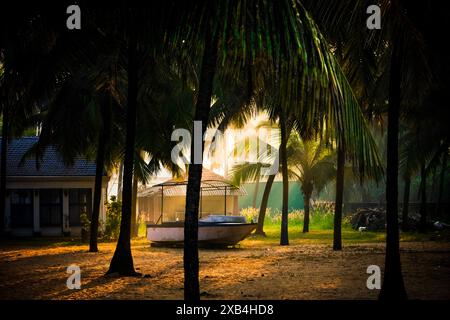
x=33 y=64
x=313 y=166
x=417 y=154
x=309 y=162
x=402 y=31
x=270 y=43
x=82 y=119
x=359 y=58
x=279 y=53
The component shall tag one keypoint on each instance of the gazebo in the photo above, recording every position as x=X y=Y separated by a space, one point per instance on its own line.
x=165 y=202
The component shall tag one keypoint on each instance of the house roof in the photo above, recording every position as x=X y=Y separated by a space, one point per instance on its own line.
x=212 y=185
x=207 y=176
x=50 y=165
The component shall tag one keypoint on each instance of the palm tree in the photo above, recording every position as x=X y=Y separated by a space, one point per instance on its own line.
x=289 y=49
x=408 y=167
x=346 y=31
x=402 y=30
x=31 y=69
x=313 y=166
x=122 y=261
x=89 y=95
x=417 y=154
x=337 y=225
x=441 y=179
x=308 y=162
x=401 y=40
x=367 y=163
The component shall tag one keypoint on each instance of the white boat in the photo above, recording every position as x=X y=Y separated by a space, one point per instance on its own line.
x=214 y=230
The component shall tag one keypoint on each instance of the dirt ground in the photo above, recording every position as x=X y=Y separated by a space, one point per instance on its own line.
x=253 y=271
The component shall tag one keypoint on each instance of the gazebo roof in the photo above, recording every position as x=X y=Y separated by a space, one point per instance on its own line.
x=212 y=184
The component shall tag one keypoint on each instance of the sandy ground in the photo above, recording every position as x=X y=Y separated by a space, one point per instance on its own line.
x=300 y=271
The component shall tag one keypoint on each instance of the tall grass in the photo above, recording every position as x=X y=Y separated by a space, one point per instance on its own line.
x=321 y=218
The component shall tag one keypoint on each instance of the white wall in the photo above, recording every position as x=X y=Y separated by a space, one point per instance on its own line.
x=63 y=183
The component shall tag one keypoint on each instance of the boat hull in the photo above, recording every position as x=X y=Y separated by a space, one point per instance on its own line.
x=216 y=234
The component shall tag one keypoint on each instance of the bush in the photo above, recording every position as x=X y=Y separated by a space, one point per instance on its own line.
x=142 y=227
x=113 y=215
x=321 y=217
x=250 y=214
x=85 y=226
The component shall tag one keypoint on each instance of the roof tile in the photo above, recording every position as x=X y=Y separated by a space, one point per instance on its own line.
x=51 y=164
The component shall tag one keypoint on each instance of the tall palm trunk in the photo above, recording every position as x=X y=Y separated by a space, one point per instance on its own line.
x=120 y=182
x=337 y=235
x=284 y=239
x=4 y=154
x=405 y=210
x=267 y=188
x=393 y=287
x=263 y=207
x=255 y=193
x=306 y=200
x=423 y=198
x=307 y=189
x=100 y=164
x=122 y=261
x=433 y=195
x=190 y=258
x=441 y=183
x=134 y=225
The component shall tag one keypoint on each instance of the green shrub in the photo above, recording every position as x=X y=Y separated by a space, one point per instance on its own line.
x=321 y=218
x=113 y=215
x=142 y=228
x=85 y=226
x=250 y=214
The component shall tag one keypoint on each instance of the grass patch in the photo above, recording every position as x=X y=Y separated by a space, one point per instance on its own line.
x=314 y=236
x=325 y=236
x=321 y=232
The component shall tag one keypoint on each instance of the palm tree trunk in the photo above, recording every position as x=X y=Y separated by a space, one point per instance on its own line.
x=105 y=109
x=4 y=154
x=433 y=195
x=306 y=200
x=100 y=164
x=122 y=261
x=393 y=287
x=134 y=225
x=441 y=183
x=405 y=210
x=284 y=239
x=337 y=235
x=423 y=198
x=255 y=193
x=119 y=182
x=263 y=208
x=190 y=258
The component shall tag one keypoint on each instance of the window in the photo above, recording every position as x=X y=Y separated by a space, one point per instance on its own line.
x=22 y=208
x=50 y=202
x=80 y=201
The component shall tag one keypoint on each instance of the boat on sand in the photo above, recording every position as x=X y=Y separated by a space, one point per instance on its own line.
x=214 y=230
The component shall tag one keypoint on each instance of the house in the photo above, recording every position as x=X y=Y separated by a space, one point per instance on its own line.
x=47 y=200
x=166 y=201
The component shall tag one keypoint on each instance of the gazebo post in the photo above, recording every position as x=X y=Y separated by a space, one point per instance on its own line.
x=162 y=203
x=201 y=197
x=225 y=207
